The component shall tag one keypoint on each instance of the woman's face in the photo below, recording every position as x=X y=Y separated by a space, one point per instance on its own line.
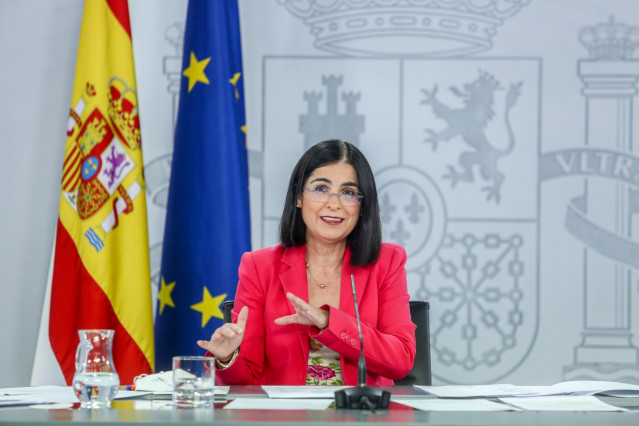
x=329 y=221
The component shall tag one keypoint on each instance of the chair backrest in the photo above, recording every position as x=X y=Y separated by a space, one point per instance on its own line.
x=420 y=374
x=227 y=307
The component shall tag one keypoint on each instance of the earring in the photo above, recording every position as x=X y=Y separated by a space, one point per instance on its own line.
x=298 y=205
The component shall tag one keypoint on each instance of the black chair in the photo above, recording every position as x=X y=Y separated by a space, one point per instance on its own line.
x=227 y=307
x=420 y=374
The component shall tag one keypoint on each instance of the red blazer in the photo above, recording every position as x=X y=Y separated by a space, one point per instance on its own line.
x=272 y=354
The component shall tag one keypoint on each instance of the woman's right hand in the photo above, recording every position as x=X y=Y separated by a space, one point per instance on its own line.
x=227 y=338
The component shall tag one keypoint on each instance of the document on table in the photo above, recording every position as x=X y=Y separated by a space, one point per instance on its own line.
x=562 y=403
x=48 y=394
x=480 y=391
x=577 y=387
x=278 y=404
x=37 y=395
x=592 y=387
x=455 y=405
x=299 y=392
x=218 y=391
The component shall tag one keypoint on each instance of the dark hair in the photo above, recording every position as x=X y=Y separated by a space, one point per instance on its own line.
x=366 y=238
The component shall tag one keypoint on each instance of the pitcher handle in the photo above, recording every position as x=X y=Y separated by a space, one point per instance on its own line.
x=77 y=354
x=77 y=357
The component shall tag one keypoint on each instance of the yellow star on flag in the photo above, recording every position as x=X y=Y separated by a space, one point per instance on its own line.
x=209 y=306
x=195 y=71
x=164 y=295
x=233 y=81
x=243 y=130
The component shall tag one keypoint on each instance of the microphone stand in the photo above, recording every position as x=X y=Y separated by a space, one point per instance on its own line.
x=361 y=397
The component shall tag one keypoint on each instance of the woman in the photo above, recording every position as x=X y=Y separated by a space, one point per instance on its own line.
x=294 y=311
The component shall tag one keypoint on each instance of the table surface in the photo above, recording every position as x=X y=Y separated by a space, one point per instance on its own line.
x=147 y=410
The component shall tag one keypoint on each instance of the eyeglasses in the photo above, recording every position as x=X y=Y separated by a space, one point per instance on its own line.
x=348 y=197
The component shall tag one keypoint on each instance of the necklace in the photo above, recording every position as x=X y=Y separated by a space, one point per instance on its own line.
x=317 y=281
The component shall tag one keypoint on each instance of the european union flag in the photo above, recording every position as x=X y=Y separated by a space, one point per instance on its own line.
x=207 y=224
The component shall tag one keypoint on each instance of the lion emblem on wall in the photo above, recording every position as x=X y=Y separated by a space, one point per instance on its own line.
x=469 y=123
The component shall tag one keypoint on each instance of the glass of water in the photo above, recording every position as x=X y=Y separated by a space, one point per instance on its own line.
x=193 y=381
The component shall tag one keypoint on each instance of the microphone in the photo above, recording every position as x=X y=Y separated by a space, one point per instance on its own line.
x=361 y=397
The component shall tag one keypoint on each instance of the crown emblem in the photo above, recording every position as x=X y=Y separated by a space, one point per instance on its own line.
x=435 y=28
x=610 y=40
x=487 y=80
x=123 y=110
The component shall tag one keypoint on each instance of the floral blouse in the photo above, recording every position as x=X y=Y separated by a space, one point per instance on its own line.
x=324 y=367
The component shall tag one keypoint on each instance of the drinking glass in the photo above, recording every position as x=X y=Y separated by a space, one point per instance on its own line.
x=193 y=381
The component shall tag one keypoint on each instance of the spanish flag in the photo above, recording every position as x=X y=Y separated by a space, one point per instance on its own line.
x=101 y=273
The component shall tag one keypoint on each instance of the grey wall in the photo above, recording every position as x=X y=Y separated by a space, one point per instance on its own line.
x=38 y=47
x=535 y=286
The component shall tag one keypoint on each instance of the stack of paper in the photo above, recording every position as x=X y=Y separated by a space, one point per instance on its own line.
x=564 y=396
x=279 y=404
x=46 y=394
x=507 y=390
x=302 y=392
x=456 y=404
x=561 y=403
x=480 y=391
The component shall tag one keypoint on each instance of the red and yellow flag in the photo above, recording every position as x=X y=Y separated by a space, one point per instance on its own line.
x=101 y=275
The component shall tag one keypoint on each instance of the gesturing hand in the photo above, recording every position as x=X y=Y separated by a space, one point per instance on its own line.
x=227 y=338
x=304 y=314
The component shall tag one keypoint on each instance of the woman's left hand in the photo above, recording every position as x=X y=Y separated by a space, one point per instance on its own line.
x=305 y=314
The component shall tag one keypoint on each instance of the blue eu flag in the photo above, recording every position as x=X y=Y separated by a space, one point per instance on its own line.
x=207 y=224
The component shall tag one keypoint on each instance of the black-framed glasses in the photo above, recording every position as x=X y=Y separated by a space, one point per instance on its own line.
x=348 y=197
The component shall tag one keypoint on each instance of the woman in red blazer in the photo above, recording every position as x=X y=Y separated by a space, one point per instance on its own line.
x=294 y=316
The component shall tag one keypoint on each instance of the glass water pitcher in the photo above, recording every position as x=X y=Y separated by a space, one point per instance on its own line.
x=95 y=382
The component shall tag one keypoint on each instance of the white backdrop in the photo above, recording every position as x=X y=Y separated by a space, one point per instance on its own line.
x=527 y=250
